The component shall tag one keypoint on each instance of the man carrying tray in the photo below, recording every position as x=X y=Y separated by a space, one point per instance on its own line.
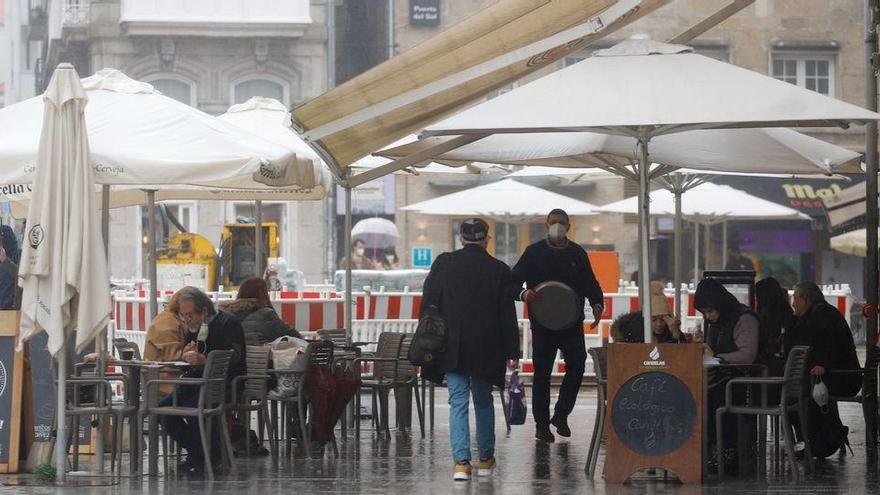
x=557 y=259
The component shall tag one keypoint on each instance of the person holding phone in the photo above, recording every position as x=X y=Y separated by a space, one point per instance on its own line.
x=556 y=258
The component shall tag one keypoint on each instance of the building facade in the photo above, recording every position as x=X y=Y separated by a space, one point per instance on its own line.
x=209 y=54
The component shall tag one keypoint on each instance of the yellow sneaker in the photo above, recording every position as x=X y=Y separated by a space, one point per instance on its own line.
x=485 y=467
x=461 y=472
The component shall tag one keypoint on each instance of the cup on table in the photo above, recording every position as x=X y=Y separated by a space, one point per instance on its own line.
x=127 y=354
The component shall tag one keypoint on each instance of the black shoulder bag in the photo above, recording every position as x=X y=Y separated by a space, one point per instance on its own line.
x=429 y=342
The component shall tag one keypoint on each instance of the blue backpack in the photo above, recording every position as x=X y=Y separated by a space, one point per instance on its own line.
x=516 y=400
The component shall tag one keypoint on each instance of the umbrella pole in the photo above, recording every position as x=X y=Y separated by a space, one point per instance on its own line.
x=151 y=222
x=706 y=264
x=258 y=238
x=349 y=297
x=677 y=275
x=869 y=405
x=644 y=235
x=724 y=245
x=507 y=239
x=696 y=253
x=60 y=410
x=101 y=341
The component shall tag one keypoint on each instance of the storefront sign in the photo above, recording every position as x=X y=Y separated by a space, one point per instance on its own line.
x=805 y=195
x=422 y=257
x=373 y=198
x=424 y=12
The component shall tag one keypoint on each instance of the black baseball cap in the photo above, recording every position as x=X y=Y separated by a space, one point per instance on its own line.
x=474 y=229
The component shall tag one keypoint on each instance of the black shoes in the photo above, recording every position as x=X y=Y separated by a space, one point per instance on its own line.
x=542 y=433
x=561 y=425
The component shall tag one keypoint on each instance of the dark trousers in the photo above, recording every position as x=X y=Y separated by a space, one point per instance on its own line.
x=184 y=431
x=545 y=343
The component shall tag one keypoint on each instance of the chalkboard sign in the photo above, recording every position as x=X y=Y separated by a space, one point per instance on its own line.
x=654 y=413
x=43 y=387
x=10 y=392
x=655 y=403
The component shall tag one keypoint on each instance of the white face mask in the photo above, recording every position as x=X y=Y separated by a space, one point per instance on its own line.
x=359 y=251
x=389 y=258
x=557 y=232
x=203 y=332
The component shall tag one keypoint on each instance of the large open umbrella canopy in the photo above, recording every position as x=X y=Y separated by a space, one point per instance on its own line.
x=496 y=46
x=644 y=89
x=140 y=137
x=709 y=203
x=506 y=200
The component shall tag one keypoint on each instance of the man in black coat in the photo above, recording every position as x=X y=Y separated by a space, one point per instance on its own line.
x=470 y=289
x=822 y=327
x=208 y=330
x=558 y=259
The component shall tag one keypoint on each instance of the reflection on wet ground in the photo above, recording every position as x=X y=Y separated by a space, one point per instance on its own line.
x=411 y=465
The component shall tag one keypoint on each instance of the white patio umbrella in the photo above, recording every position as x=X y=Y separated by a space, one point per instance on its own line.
x=377 y=233
x=64 y=269
x=507 y=200
x=159 y=148
x=707 y=204
x=644 y=89
x=141 y=137
x=270 y=119
x=713 y=152
x=854 y=243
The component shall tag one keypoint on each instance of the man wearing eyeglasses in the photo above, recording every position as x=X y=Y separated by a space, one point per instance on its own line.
x=207 y=330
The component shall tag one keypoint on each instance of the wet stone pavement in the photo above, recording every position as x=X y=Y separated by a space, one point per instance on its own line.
x=408 y=464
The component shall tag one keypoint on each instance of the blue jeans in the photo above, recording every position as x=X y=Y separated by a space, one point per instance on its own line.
x=460 y=386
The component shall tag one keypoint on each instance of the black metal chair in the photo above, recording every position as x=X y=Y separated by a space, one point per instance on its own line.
x=407 y=388
x=211 y=405
x=101 y=404
x=253 y=396
x=318 y=354
x=124 y=345
x=793 y=399
x=380 y=383
x=600 y=365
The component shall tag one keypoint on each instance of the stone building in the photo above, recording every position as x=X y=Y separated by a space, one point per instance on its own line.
x=210 y=55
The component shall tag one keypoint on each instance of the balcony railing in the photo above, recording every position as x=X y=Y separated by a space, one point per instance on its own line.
x=76 y=13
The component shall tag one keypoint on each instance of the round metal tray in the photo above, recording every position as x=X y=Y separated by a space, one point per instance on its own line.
x=556 y=307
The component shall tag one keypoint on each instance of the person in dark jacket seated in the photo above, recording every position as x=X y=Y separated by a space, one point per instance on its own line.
x=732 y=337
x=253 y=310
x=733 y=333
x=822 y=327
x=557 y=259
x=207 y=330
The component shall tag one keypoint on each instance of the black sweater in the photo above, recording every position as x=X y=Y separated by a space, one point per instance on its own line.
x=570 y=265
